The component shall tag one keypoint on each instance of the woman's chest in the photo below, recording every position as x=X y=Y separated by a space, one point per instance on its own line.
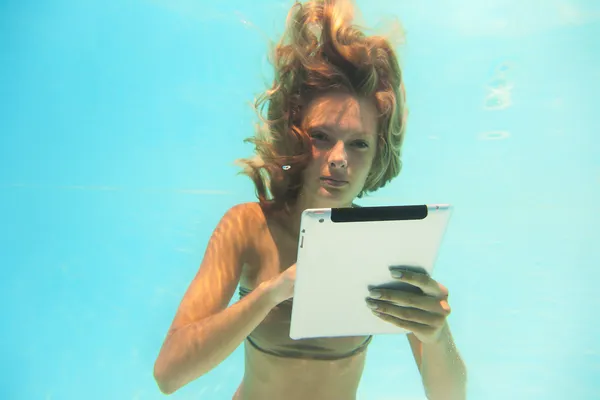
x=272 y=251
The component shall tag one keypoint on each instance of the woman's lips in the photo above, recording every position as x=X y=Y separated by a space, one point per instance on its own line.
x=333 y=182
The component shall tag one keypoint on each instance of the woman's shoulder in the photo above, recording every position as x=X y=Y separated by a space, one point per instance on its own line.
x=243 y=224
x=255 y=213
x=249 y=212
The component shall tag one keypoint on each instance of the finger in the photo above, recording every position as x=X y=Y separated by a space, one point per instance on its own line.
x=423 y=281
x=408 y=325
x=408 y=314
x=412 y=300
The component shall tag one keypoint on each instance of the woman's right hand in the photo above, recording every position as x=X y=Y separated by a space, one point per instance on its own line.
x=281 y=287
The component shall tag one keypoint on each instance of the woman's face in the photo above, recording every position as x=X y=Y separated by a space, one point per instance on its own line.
x=343 y=129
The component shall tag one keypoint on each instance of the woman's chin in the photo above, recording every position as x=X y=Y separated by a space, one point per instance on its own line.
x=332 y=198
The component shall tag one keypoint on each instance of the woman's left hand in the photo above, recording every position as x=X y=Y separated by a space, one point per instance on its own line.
x=422 y=314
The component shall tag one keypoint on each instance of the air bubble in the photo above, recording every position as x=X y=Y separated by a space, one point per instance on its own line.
x=494 y=135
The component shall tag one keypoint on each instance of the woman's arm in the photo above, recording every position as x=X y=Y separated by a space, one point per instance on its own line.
x=205 y=331
x=443 y=371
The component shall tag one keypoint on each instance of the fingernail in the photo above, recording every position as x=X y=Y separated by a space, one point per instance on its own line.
x=396 y=274
x=372 y=305
x=445 y=305
x=375 y=294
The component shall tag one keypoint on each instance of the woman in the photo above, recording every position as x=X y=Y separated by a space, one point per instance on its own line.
x=334 y=127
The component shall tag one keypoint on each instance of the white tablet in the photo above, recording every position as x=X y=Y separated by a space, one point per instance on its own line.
x=344 y=251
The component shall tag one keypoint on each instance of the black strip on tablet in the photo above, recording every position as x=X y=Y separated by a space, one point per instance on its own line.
x=389 y=213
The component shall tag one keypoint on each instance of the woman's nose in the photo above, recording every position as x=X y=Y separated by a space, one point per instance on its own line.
x=338 y=157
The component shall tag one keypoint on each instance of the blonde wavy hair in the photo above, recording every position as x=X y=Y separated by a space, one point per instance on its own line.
x=322 y=51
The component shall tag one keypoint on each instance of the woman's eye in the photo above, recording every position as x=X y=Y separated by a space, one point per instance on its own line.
x=361 y=144
x=318 y=135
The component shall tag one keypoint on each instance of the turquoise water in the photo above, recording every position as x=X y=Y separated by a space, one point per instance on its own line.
x=119 y=124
